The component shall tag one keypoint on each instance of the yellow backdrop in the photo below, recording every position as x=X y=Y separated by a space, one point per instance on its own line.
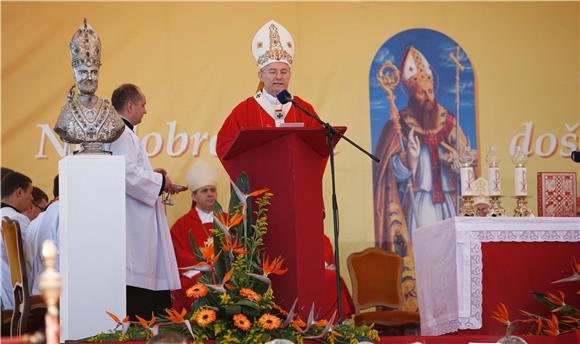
x=193 y=61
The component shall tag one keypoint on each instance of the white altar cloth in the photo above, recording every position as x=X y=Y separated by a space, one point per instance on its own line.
x=448 y=263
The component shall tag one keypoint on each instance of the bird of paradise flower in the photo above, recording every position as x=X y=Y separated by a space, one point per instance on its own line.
x=563 y=317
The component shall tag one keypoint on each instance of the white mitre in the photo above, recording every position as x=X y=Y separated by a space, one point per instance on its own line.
x=415 y=68
x=201 y=174
x=272 y=43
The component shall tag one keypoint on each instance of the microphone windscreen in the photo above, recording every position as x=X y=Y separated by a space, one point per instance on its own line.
x=284 y=96
x=575 y=156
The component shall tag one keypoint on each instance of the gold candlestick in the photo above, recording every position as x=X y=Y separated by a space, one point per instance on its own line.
x=522 y=209
x=467 y=208
x=50 y=287
x=494 y=179
x=466 y=158
x=521 y=184
x=495 y=207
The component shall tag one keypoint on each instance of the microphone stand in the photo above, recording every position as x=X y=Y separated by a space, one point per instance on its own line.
x=331 y=132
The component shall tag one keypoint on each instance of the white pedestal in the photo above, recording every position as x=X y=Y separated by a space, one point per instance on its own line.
x=92 y=243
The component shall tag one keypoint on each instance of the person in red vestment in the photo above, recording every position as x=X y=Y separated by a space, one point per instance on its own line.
x=273 y=49
x=202 y=181
x=330 y=300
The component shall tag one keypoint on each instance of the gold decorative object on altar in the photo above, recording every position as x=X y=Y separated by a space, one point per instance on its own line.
x=466 y=158
x=481 y=199
x=521 y=184
x=494 y=183
x=50 y=287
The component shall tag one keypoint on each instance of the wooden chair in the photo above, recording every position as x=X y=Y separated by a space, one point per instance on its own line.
x=23 y=302
x=376 y=282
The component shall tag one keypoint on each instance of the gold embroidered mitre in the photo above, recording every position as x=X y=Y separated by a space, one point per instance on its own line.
x=272 y=43
x=85 y=46
x=415 y=68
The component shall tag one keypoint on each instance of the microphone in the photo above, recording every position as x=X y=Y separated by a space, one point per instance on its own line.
x=284 y=97
x=575 y=156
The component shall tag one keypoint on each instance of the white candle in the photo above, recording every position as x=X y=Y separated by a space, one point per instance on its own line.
x=493 y=181
x=521 y=181
x=467 y=182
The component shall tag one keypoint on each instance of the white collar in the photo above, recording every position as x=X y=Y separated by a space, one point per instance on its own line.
x=272 y=106
x=203 y=216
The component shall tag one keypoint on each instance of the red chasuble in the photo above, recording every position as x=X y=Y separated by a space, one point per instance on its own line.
x=249 y=114
x=188 y=223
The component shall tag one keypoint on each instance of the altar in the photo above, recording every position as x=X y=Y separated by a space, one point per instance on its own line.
x=465 y=266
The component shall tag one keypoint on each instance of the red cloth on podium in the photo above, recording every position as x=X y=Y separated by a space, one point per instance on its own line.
x=330 y=282
x=249 y=114
x=188 y=223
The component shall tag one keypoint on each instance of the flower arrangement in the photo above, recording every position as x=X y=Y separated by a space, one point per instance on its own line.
x=234 y=300
x=562 y=318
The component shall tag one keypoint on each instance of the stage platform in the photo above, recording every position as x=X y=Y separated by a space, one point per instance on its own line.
x=569 y=338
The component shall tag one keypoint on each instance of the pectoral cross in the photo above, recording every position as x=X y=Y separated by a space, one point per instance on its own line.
x=279 y=113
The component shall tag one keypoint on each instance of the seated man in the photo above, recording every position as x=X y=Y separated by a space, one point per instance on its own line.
x=16 y=198
x=44 y=227
x=202 y=180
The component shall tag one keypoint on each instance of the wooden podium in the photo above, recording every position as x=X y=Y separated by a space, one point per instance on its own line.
x=290 y=162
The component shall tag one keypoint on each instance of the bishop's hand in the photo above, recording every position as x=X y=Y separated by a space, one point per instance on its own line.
x=413 y=147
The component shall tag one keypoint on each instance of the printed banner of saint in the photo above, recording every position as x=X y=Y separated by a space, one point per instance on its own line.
x=422 y=86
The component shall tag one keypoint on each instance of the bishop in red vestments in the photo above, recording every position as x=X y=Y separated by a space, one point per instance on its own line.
x=273 y=49
x=202 y=180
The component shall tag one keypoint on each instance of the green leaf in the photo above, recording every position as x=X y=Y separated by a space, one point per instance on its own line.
x=233 y=309
x=541 y=298
x=250 y=312
x=532 y=315
x=247 y=303
x=197 y=304
x=195 y=248
x=220 y=264
x=217 y=208
x=260 y=287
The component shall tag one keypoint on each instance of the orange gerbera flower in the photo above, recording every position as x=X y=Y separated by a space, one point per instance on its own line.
x=269 y=321
x=553 y=328
x=175 y=316
x=274 y=267
x=205 y=317
x=250 y=294
x=196 y=291
x=501 y=314
x=242 y=322
x=554 y=299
